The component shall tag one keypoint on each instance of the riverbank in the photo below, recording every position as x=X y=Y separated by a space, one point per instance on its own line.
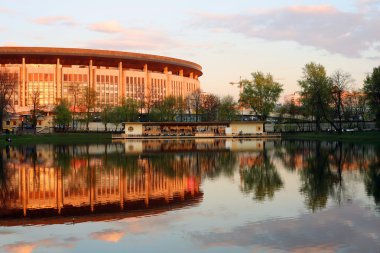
x=357 y=137
x=56 y=138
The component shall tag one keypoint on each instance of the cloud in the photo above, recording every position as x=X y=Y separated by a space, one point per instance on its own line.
x=136 y=39
x=109 y=235
x=107 y=27
x=322 y=26
x=349 y=228
x=55 y=20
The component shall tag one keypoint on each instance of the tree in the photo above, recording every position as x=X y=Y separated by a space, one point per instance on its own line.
x=62 y=115
x=105 y=115
x=35 y=100
x=227 y=109
x=166 y=109
x=194 y=103
x=8 y=84
x=372 y=90
x=210 y=106
x=130 y=109
x=261 y=94
x=316 y=92
x=116 y=116
x=339 y=85
x=74 y=92
x=89 y=102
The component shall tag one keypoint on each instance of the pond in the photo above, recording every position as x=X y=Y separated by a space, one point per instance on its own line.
x=201 y=195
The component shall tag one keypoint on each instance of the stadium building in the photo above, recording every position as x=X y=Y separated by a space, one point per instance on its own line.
x=67 y=73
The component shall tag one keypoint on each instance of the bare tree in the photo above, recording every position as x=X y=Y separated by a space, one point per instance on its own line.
x=35 y=100
x=340 y=83
x=74 y=93
x=8 y=84
x=194 y=103
x=89 y=102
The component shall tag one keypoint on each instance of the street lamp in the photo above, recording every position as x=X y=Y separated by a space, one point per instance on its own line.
x=240 y=85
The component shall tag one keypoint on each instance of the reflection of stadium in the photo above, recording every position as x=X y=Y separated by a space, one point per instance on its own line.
x=60 y=73
x=38 y=188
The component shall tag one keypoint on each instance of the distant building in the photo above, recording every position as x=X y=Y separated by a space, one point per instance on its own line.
x=294 y=98
x=64 y=73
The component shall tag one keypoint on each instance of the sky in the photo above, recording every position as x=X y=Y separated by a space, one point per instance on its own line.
x=230 y=39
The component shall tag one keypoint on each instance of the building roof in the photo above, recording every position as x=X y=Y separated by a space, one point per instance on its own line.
x=108 y=58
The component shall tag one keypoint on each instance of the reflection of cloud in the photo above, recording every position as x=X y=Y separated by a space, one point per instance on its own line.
x=55 y=20
x=21 y=247
x=109 y=235
x=350 y=227
x=321 y=26
x=28 y=247
x=107 y=27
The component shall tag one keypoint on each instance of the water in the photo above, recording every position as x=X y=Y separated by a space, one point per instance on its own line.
x=191 y=196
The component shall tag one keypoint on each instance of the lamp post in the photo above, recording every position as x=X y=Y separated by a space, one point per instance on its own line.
x=240 y=85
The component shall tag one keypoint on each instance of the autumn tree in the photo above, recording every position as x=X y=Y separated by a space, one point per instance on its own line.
x=8 y=84
x=210 y=106
x=261 y=94
x=372 y=90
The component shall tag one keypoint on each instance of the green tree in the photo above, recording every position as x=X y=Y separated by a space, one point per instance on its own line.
x=105 y=115
x=130 y=109
x=372 y=90
x=261 y=94
x=316 y=92
x=62 y=114
x=166 y=109
x=116 y=116
x=227 y=109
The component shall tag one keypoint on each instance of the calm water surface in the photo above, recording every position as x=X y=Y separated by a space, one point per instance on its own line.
x=191 y=196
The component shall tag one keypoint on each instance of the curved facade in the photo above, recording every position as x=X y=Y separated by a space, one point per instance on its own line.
x=64 y=73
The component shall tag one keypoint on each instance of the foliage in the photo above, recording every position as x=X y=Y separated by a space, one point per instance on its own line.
x=165 y=110
x=261 y=94
x=315 y=91
x=105 y=115
x=89 y=102
x=227 y=109
x=194 y=103
x=372 y=90
x=130 y=110
x=62 y=114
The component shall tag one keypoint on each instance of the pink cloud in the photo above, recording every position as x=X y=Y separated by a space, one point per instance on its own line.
x=136 y=39
x=55 y=20
x=107 y=27
x=322 y=27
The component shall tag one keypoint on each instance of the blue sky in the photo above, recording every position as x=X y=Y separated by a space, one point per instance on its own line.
x=228 y=38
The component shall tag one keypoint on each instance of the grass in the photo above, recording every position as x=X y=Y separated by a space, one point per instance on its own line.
x=361 y=137
x=56 y=138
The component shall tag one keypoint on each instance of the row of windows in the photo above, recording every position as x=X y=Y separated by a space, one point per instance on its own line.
x=107 y=79
x=41 y=77
x=75 y=77
x=134 y=80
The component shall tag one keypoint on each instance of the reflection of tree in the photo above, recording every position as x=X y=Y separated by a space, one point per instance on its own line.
x=372 y=178
x=318 y=181
x=261 y=178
